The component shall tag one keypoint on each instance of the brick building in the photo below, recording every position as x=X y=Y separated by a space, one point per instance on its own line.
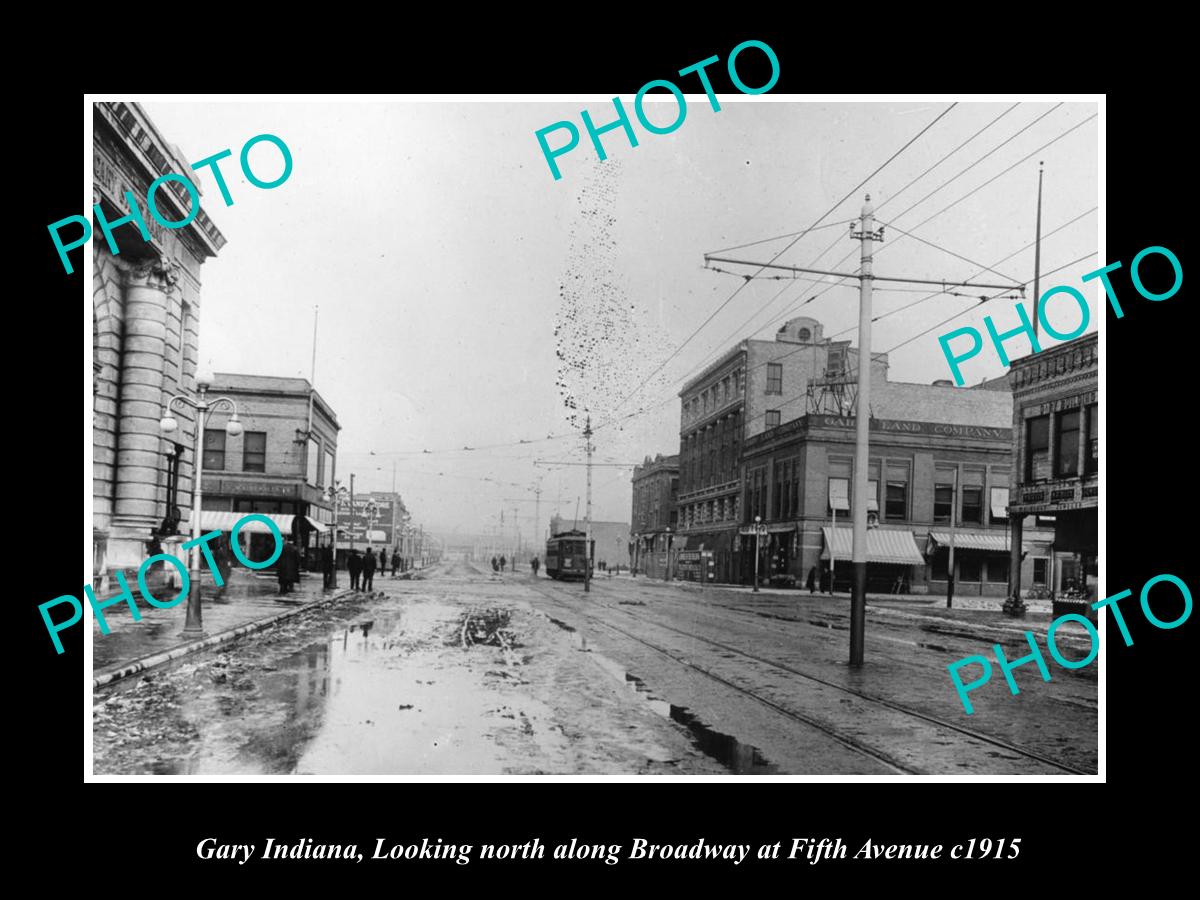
x=940 y=461
x=1056 y=429
x=655 y=516
x=146 y=312
x=755 y=386
x=278 y=466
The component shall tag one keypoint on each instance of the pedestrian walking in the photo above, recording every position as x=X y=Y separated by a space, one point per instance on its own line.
x=503 y=563
x=354 y=565
x=811 y=584
x=368 y=572
x=535 y=563
x=327 y=566
x=495 y=564
x=383 y=561
x=288 y=567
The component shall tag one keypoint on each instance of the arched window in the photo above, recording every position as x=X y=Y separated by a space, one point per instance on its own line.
x=804 y=334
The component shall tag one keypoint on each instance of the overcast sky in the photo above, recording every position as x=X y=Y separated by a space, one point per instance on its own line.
x=444 y=258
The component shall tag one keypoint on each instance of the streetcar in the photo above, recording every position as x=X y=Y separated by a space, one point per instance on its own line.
x=566 y=556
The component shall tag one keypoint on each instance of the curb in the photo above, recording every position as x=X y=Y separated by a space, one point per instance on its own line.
x=145 y=663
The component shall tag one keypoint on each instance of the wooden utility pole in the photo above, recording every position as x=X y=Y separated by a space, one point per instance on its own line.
x=862 y=414
x=587 y=549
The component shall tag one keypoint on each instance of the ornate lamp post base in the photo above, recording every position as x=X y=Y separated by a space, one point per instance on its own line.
x=1014 y=606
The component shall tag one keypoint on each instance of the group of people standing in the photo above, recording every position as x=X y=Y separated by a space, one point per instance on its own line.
x=361 y=566
x=499 y=564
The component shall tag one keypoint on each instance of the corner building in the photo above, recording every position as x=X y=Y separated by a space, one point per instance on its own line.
x=1056 y=431
x=940 y=463
x=145 y=318
x=752 y=388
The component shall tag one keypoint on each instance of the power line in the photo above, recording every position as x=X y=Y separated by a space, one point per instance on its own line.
x=946 y=156
x=792 y=243
x=963 y=312
x=955 y=203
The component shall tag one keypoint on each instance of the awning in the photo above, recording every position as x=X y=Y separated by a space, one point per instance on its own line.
x=999 y=503
x=316 y=526
x=883 y=546
x=996 y=543
x=221 y=520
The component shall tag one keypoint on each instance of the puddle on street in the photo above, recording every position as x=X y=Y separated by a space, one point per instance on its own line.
x=740 y=758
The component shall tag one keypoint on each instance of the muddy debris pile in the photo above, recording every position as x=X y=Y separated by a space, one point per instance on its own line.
x=486 y=626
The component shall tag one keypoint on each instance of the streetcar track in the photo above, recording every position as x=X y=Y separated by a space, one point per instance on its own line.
x=847 y=741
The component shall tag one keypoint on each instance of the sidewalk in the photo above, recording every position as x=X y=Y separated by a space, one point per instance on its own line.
x=248 y=598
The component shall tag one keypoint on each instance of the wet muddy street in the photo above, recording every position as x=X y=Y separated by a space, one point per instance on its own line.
x=455 y=674
x=467 y=672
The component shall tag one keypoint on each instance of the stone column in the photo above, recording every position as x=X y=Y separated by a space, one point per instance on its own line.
x=138 y=498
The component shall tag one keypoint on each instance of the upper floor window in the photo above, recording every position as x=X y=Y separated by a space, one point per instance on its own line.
x=1037 y=448
x=1091 y=454
x=972 y=504
x=774 y=378
x=254 y=452
x=804 y=334
x=312 y=467
x=999 y=505
x=214 y=448
x=1067 y=449
x=772 y=418
x=943 y=494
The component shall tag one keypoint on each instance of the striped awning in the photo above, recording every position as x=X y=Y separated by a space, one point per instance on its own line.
x=883 y=546
x=222 y=520
x=994 y=543
x=315 y=525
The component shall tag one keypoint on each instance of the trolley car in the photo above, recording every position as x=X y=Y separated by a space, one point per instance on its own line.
x=566 y=555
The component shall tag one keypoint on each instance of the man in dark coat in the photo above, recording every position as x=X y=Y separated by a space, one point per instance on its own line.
x=533 y=564
x=811 y=584
x=368 y=572
x=327 y=565
x=503 y=563
x=495 y=564
x=288 y=567
x=383 y=558
x=354 y=565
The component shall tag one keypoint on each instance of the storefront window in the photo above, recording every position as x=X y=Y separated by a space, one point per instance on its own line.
x=997 y=570
x=1040 y=570
x=970 y=568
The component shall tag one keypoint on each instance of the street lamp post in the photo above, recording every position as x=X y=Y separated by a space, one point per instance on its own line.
x=194 y=626
x=335 y=492
x=758 y=530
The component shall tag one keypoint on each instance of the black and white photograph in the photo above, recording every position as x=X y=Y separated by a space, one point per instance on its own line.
x=691 y=435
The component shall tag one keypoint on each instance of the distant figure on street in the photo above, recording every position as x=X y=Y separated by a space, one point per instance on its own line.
x=383 y=559
x=503 y=563
x=327 y=566
x=288 y=567
x=354 y=565
x=495 y=564
x=368 y=572
x=533 y=564
x=811 y=584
